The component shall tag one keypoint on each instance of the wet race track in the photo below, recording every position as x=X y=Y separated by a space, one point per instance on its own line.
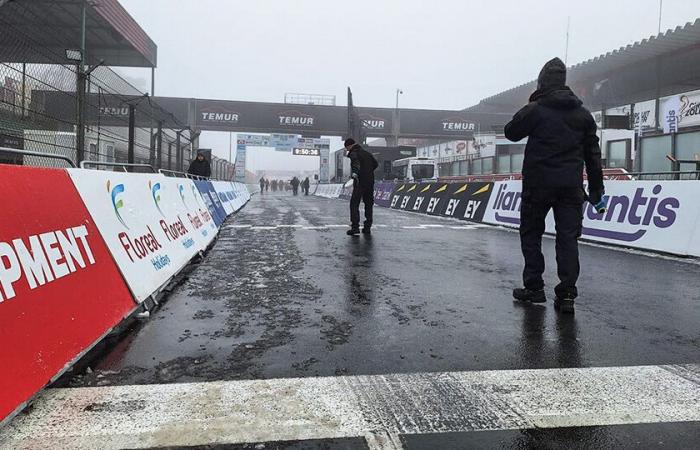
x=290 y=334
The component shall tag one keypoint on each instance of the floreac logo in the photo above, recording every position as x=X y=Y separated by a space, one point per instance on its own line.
x=457 y=124
x=219 y=115
x=295 y=119
x=117 y=203
x=155 y=193
x=373 y=123
x=638 y=212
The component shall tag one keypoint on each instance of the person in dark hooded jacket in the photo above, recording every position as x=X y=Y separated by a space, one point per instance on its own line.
x=362 y=166
x=200 y=166
x=561 y=140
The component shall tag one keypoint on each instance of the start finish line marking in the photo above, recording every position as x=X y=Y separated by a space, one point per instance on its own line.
x=370 y=406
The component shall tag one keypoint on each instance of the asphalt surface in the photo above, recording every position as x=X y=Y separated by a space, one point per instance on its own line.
x=285 y=294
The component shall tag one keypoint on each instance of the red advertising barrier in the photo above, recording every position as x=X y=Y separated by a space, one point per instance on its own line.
x=60 y=290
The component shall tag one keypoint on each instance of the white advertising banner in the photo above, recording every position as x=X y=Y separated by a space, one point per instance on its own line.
x=329 y=190
x=645 y=115
x=225 y=192
x=661 y=216
x=191 y=207
x=679 y=111
x=137 y=217
x=484 y=146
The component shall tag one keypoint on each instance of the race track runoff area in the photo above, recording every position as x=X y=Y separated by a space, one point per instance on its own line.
x=290 y=334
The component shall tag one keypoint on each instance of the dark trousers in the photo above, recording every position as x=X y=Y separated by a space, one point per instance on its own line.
x=567 y=204
x=361 y=193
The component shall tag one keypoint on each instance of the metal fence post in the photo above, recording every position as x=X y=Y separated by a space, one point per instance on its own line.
x=170 y=155
x=178 y=149
x=159 y=146
x=132 y=128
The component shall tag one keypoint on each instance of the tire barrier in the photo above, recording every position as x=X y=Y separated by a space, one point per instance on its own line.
x=83 y=250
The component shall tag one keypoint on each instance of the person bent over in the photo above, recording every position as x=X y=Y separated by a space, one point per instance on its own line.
x=363 y=164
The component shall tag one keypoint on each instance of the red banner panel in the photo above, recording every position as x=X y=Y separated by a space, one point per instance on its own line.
x=60 y=290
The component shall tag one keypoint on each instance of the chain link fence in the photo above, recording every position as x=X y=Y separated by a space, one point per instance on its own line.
x=40 y=104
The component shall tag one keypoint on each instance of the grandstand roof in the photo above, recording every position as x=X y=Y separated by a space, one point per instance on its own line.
x=46 y=28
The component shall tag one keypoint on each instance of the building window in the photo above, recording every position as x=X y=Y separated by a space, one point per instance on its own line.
x=516 y=162
x=487 y=166
x=504 y=164
x=688 y=148
x=618 y=154
x=654 y=151
x=454 y=169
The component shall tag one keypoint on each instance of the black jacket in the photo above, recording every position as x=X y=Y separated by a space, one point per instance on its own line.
x=362 y=164
x=200 y=168
x=561 y=135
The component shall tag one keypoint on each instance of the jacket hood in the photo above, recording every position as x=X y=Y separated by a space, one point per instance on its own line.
x=552 y=76
x=562 y=98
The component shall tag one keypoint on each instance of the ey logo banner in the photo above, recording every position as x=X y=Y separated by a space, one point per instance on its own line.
x=117 y=203
x=155 y=193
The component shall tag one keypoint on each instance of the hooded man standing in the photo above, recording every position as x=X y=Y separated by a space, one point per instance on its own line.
x=363 y=165
x=200 y=166
x=561 y=139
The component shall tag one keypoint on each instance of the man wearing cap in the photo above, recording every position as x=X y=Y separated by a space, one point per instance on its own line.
x=561 y=140
x=363 y=165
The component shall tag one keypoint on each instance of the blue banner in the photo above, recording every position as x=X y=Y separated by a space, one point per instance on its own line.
x=211 y=198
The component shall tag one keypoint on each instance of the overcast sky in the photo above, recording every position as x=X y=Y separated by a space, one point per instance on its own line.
x=444 y=54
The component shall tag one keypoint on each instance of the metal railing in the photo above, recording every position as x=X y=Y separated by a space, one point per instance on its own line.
x=665 y=176
x=124 y=166
x=15 y=151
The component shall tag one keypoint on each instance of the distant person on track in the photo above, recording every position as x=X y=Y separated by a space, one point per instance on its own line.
x=200 y=166
x=561 y=139
x=295 y=185
x=363 y=165
x=274 y=185
x=305 y=185
x=267 y=185
x=262 y=185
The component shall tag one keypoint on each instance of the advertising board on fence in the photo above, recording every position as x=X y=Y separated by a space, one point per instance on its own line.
x=382 y=193
x=211 y=198
x=661 y=216
x=189 y=204
x=225 y=192
x=464 y=201
x=60 y=290
x=138 y=216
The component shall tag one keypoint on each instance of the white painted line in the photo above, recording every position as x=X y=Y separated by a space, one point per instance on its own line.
x=433 y=226
x=465 y=227
x=240 y=226
x=262 y=228
x=333 y=407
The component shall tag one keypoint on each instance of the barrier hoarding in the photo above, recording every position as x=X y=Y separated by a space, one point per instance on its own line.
x=465 y=201
x=60 y=290
x=382 y=193
x=224 y=191
x=211 y=198
x=137 y=215
x=328 y=190
x=191 y=207
x=661 y=216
